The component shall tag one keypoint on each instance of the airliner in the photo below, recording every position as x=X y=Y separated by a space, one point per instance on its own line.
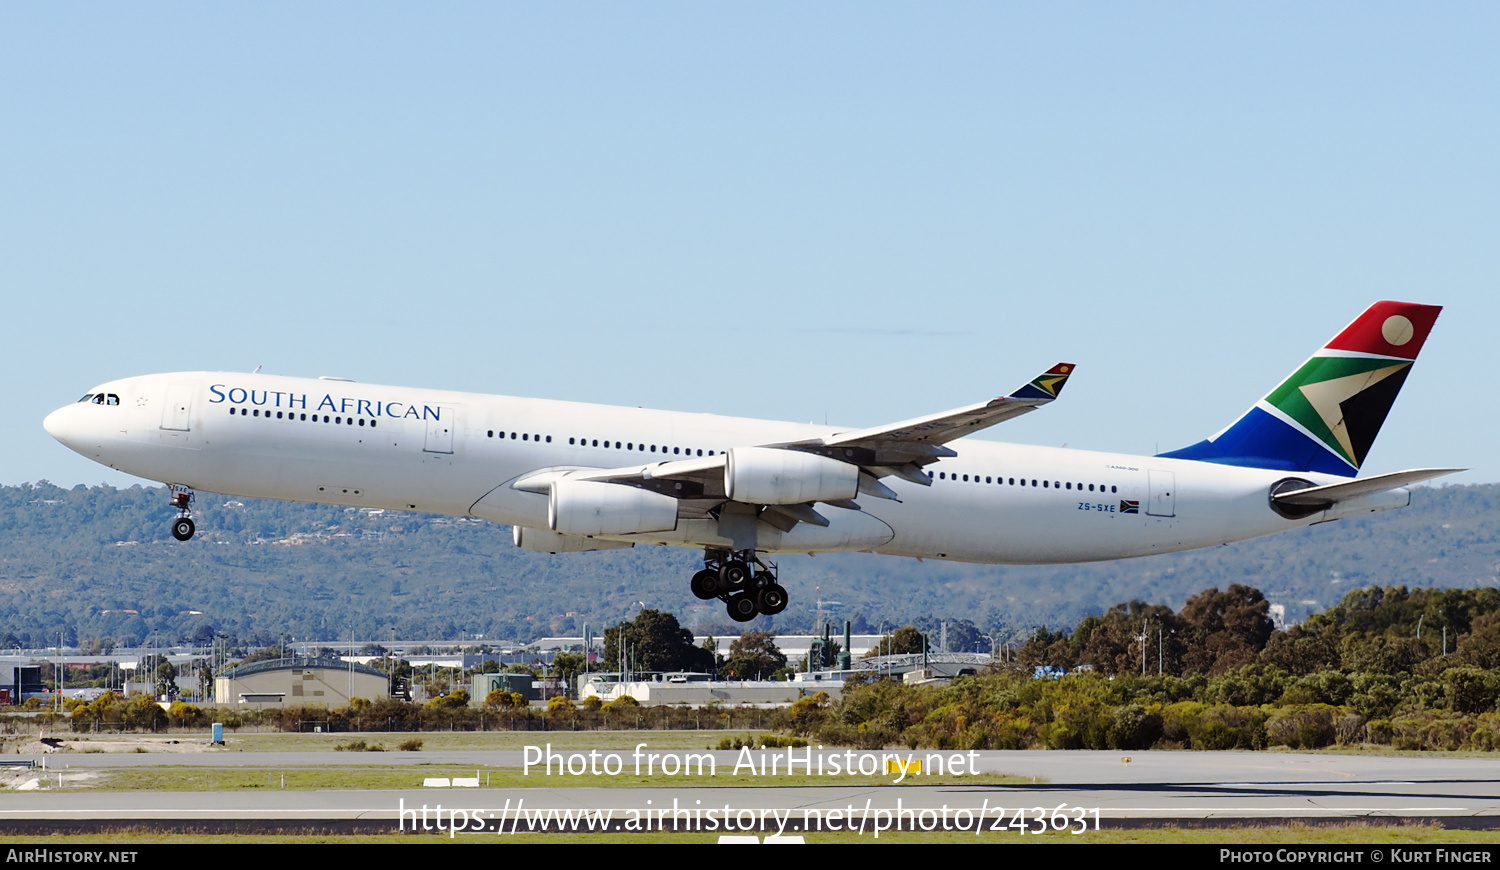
x=573 y=477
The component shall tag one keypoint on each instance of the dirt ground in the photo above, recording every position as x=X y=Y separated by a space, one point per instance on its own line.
x=37 y=778
x=43 y=744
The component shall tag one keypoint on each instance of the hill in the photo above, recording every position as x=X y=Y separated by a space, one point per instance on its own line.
x=98 y=563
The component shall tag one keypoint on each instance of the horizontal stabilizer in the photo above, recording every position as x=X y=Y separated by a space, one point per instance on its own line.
x=1322 y=496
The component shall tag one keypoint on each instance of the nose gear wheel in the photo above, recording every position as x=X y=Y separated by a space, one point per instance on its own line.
x=182 y=499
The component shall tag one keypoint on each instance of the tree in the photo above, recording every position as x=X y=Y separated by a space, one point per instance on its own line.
x=1049 y=649
x=1226 y=629
x=903 y=641
x=656 y=642
x=205 y=682
x=1113 y=643
x=753 y=656
x=456 y=700
x=166 y=680
x=566 y=666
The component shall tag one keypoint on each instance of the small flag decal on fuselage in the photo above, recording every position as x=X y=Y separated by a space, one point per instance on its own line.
x=1129 y=507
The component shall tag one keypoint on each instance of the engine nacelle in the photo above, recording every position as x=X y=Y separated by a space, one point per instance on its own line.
x=767 y=475
x=544 y=541
x=587 y=507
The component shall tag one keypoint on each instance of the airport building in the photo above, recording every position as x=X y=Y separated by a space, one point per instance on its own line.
x=297 y=681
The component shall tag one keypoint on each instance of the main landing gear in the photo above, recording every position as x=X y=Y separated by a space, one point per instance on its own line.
x=182 y=499
x=745 y=584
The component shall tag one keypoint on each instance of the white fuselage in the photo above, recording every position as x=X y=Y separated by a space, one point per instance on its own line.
x=344 y=443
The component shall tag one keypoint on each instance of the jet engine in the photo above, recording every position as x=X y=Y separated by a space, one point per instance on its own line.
x=587 y=507
x=767 y=475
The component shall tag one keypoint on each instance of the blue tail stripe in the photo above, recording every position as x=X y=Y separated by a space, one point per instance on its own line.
x=1263 y=440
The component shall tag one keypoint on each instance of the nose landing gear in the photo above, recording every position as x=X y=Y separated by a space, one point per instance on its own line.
x=182 y=499
x=745 y=584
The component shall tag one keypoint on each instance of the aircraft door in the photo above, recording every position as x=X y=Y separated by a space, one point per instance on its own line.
x=440 y=430
x=1163 y=502
x=179 y=403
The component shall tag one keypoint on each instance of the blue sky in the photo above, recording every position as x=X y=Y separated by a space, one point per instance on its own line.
x=857 y=212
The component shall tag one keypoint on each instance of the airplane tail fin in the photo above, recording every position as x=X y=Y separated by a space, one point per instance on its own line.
x=1324 y=417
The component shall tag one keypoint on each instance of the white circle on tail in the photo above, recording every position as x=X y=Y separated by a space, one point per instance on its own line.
x=1397 y=330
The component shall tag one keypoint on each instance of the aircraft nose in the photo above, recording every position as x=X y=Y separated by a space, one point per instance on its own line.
x=63 y=424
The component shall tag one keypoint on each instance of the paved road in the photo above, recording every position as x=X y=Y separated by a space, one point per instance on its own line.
x=1151 y=786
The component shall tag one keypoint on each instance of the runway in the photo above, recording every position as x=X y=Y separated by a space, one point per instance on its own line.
x=1073 y=790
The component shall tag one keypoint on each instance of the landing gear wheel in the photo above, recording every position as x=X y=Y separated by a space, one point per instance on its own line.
x=742 y=607
x=705 y=584
x=183 y=528
x=734 y=574
x=771 y=599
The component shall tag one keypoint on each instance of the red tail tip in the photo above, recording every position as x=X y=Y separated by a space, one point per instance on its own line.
x=1389 y=329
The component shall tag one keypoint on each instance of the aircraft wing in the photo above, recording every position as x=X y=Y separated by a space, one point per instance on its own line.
x=786 y=479
x=937 y=429
x=901 y=449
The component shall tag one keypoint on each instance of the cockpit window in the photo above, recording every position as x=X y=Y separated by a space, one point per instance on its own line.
x=99 y=399
x=112 y=399
x=86 y=398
